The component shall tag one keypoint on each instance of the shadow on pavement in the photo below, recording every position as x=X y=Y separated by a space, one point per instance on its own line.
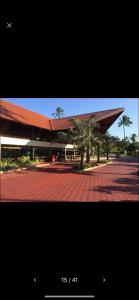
x=60 y=170
x=119 y=189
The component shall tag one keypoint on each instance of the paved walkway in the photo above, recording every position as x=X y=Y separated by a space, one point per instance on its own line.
x=116 y=182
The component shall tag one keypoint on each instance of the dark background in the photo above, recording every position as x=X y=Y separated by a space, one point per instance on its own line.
x=48 y=241
x=75 y=52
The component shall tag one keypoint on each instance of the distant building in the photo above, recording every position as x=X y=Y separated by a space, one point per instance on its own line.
x=24 y=132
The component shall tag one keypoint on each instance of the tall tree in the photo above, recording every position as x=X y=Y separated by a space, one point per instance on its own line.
x=91 y=127
x=133 y=137
x=98 y=141
x=58 y=113
x=79 y=137
x=83 y=137
x=108 y=143
x=64 y=137
x=124 y=121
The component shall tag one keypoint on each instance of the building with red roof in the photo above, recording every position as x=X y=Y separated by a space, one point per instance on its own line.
x=24 y=132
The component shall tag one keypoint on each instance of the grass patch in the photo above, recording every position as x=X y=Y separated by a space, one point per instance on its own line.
x=91 y=165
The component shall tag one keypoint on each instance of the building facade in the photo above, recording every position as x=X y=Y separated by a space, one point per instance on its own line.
x=24 y=132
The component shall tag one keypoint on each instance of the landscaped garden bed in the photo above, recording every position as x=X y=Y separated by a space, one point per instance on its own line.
x=91 y=165
x=24 y=162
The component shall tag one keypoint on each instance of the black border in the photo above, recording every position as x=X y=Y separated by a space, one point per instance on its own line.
x=64 y=62
x=40 y=238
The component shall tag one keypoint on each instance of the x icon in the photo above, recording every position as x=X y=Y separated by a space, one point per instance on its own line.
x=9 y=25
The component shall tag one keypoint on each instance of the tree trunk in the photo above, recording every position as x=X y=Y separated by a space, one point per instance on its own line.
x=124 y=138
x=0 y=151
x=98 y=153
x=32 y=155
x=82 y=161
x=107 y=155
x=124 y=131
x=88 y=155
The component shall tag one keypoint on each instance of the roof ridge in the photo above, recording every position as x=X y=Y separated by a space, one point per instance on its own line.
x=25 y=109
x=23 y=115
x=100 y=111
x=26 y=116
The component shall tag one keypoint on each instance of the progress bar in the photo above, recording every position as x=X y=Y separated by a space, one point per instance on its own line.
x=69 y=296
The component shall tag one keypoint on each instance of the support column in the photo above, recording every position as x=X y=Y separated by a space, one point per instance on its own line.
x=65 y=153
x=0 y=149
x=33 y=153
x=74 y=153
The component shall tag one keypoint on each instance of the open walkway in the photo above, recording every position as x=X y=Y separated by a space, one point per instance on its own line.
x=115 y=182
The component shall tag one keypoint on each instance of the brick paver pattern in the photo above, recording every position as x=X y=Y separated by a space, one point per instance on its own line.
x=115 y=182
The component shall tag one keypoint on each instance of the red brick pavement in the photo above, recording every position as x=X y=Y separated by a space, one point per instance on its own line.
x=116 y=182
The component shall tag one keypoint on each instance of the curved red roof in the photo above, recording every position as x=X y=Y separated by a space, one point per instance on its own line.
x=66 y=123
x=16 y=113
x=19 y=114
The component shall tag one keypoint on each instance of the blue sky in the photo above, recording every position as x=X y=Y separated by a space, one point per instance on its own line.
x=75 y=106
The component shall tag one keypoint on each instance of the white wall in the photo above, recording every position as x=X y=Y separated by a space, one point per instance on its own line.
x=33 y=143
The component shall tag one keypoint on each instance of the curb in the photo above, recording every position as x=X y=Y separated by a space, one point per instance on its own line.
x=42 y=165
x=10 y=171
x=92 y=168
x=25 y=168
x=102 y=165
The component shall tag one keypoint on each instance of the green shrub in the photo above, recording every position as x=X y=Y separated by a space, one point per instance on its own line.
x=87 y=165
x=77 y=168
x=129 y=153
x=91 y=164
x=41 y=160
x=24 y=161
x=7 y=164
x=105 y=161
x=118 y=154
x=35 y=160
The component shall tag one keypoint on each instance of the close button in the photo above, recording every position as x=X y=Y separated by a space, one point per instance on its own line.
x=9 y=25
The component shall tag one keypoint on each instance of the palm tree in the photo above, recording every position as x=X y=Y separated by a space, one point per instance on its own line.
x=124 y=121
x=64 y=137
x=59 y=112
x=98 y=143
x=133 y=137
x=83 y=137
x=116 y=144
x=90 y=136
x=109 y=142
x=79 y=138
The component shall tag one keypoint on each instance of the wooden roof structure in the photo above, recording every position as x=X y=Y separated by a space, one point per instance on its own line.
x=15 y=113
